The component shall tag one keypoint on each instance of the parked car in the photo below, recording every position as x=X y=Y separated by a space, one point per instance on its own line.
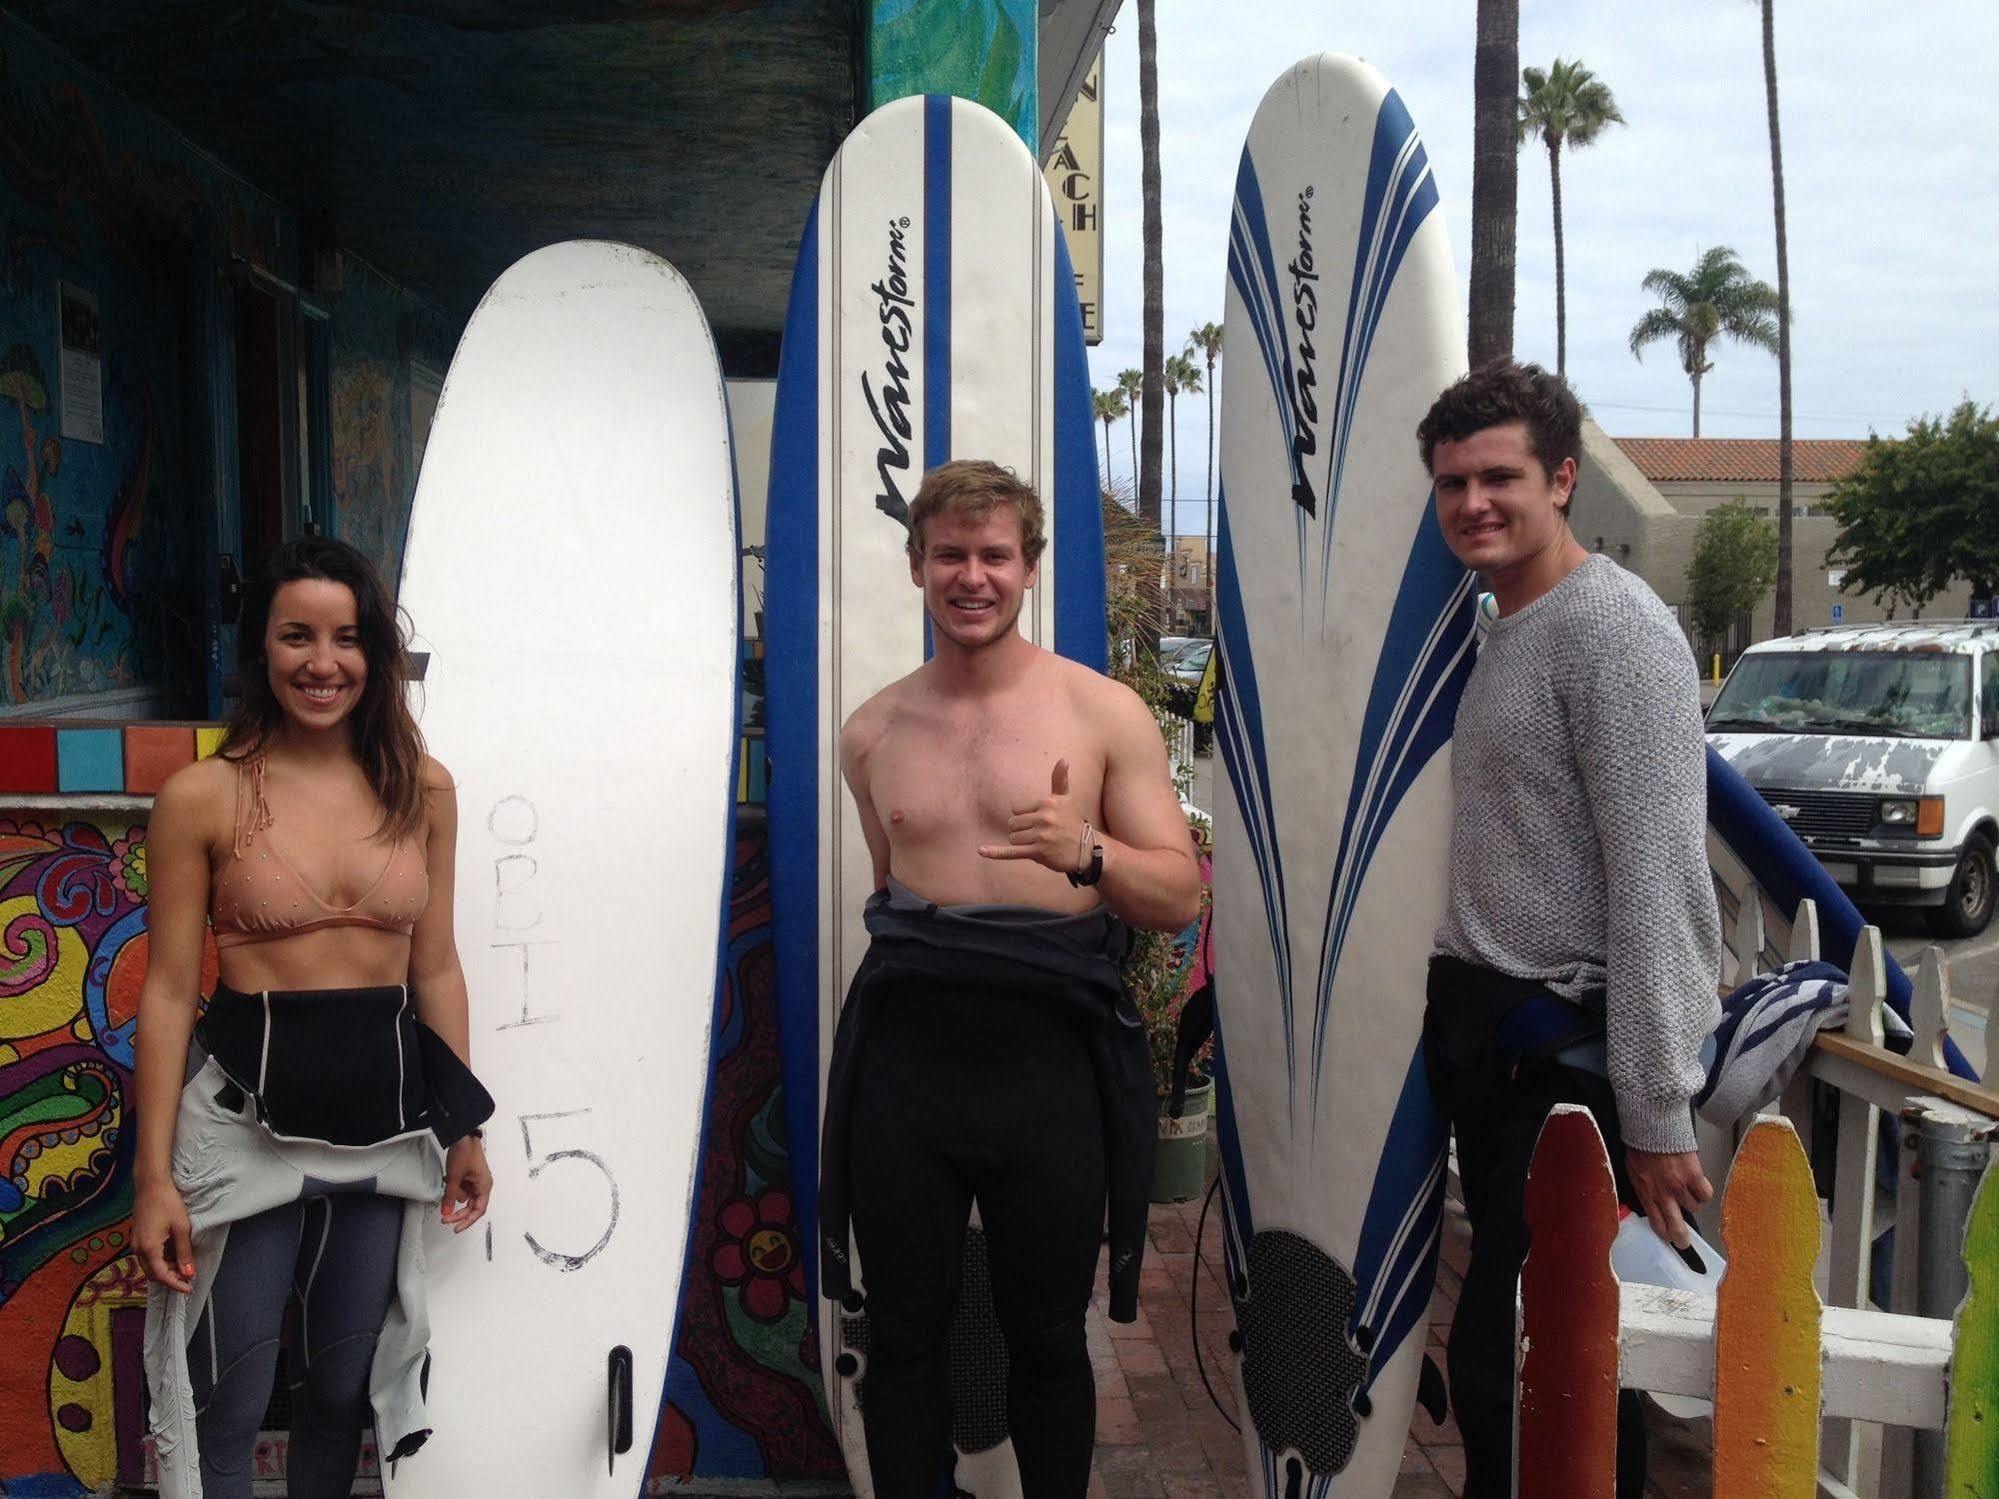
x=1185 y=666
x=1185 y=671
x=1879 y=745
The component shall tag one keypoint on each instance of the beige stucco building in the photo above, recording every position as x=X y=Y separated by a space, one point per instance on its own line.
x=1641 y=500
x=1187 y=584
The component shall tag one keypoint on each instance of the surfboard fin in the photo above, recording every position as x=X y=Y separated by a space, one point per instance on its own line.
x=619 y=1433
x=1431 y=1391
x=1197 y=1024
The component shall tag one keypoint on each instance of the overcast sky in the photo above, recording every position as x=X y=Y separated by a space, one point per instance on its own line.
x=1891 y=164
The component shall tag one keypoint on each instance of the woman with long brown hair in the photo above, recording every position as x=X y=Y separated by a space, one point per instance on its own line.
x=325 y=1105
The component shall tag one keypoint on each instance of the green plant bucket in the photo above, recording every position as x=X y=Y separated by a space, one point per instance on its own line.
x=1179 y=1159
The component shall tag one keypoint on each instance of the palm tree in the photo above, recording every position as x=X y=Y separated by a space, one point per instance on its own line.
x=1566 y=103
x=1495 y=174
x=1207 y=339
x=1183 y=377
x=1718 y=298
x=1152 y=396
x=1110 y=405
x=1783 y=594
x=1131 y=382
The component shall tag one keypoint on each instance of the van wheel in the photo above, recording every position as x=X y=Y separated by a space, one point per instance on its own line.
x=1967 y=904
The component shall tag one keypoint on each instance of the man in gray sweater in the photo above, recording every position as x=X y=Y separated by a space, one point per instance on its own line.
x=1581 y=909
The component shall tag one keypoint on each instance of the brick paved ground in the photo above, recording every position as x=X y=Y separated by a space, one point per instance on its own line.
x=1159 y=1435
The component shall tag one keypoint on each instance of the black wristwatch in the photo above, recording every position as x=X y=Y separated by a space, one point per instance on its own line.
x=1094 y=873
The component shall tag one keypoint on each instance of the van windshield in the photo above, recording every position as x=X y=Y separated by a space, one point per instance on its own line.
x=1900 y=694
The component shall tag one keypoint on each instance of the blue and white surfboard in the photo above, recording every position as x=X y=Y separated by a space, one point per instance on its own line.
x=933 y=316
x=1346 y=636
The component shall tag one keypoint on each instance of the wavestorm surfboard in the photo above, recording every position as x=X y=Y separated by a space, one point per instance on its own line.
x=571 y=569
x=1346 y=634
x=933 y=316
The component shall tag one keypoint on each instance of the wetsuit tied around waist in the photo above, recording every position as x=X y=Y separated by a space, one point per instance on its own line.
x=308 y=1147
x=344 y=1066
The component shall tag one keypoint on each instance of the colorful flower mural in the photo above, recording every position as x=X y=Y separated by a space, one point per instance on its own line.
x=743 y=1398
x=760 y=1255
x=72 y=956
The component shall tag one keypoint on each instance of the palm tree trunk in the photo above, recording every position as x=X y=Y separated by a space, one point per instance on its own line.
x=1697 y=403
x=1172 y=471
x=1152 y=395
x=1561 y=282
x=1131 y=417
x=1208 y=543
x=1107 y=453
x=1784 y=559
x=1494 y=179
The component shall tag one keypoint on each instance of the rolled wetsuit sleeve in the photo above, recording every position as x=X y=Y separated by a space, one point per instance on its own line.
x=1642 y=755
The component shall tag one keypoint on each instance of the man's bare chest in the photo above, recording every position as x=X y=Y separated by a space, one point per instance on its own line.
x=936 y=772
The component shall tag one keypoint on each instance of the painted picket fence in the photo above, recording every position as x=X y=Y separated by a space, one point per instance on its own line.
x=1798 y=1364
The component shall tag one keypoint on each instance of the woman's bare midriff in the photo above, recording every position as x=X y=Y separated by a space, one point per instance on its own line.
x=340 y=957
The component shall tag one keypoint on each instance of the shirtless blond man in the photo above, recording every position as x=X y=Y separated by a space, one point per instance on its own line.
x=1020 y=814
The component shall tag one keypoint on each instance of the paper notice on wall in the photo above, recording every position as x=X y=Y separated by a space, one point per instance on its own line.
x=82 y=366
x=1075 y=173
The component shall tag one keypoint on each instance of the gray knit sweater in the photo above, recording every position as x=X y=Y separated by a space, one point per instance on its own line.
x=1578 y=846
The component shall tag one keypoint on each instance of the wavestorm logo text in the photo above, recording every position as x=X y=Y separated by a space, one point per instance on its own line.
x=890 y=408
x=1304 y=379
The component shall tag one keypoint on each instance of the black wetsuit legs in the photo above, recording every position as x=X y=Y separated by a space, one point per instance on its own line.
x=1496 y=1108
x=335 y=1257
x=992 y=1098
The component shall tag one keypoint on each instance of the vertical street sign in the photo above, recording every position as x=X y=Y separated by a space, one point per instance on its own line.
x=1075 y=172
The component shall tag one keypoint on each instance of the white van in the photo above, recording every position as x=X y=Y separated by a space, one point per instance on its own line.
x=1879 y=745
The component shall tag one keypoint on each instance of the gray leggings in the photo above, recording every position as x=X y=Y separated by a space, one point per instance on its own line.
x=334 y=1258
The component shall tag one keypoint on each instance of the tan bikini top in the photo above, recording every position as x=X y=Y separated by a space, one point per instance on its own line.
x=259 y=896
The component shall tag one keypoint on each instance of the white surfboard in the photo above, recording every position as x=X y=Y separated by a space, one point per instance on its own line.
x=933 y=316
x=1346 y=634
x=571 y=570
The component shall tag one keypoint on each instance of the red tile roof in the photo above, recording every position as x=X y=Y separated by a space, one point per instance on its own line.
x=1740 y=460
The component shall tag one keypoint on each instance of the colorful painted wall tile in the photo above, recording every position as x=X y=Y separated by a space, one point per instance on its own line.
x=753 y=773
x=153 y=752
x=27 y=759
x=90 y=760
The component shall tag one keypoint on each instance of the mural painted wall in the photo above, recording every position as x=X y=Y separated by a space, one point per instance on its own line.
x=97 y=207
x=976 y=49
x=100 y=533
x=378 y=329
x=72 y=956
x=743 y=1397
